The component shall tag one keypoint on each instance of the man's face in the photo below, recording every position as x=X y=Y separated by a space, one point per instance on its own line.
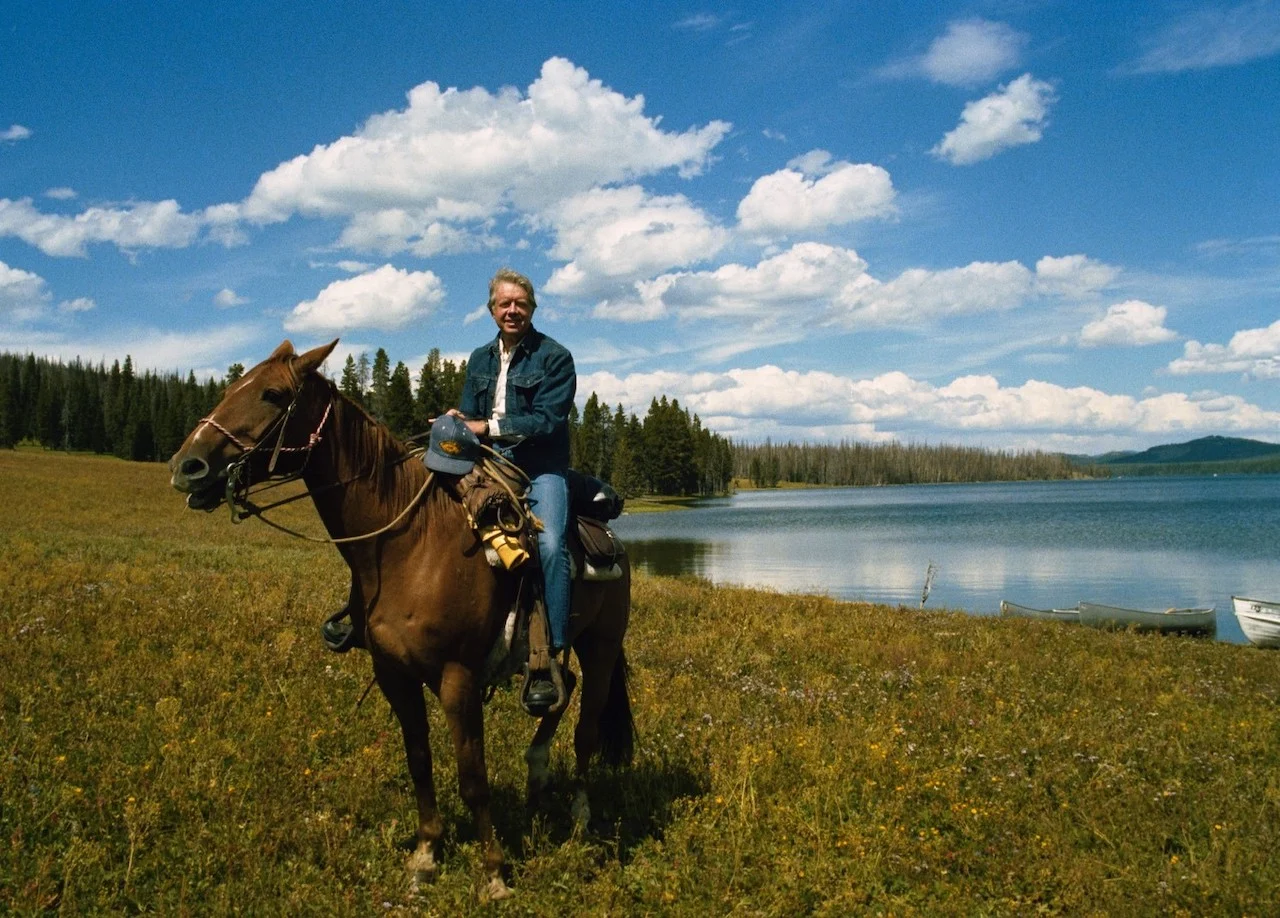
x=511 y=310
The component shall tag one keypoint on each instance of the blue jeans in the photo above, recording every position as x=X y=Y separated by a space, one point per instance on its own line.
x=549 y=500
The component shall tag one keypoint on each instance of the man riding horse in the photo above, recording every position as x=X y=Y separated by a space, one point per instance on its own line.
x=518 y=392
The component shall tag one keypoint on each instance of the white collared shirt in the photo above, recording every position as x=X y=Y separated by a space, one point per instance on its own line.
x=500 y=393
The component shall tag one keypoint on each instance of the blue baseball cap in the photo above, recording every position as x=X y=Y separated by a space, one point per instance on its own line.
x=454 y=449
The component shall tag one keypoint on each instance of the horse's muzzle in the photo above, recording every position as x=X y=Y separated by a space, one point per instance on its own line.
x=190 y=475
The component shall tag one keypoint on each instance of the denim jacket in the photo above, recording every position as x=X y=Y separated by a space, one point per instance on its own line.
x=541 y=384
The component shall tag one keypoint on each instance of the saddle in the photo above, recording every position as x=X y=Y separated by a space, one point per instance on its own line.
x=494 y=495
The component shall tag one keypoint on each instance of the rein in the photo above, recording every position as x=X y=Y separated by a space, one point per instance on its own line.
x=237 y=492
x=251 y=510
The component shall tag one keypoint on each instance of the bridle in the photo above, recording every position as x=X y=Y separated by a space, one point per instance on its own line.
x=239 y=483
x=237 y=472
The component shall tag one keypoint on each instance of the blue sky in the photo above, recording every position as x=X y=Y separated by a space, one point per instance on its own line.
x=1012 y=224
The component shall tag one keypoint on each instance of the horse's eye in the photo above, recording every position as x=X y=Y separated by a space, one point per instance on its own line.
x=277 y=397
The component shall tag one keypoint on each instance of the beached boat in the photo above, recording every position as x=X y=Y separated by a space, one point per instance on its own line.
x=1013 y=610
x=1259 y=620
x=1170 y=621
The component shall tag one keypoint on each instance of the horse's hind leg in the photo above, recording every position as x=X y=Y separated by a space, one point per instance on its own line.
x=597 y=658
x=460 y=697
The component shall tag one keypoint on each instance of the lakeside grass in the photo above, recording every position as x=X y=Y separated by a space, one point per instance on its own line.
x=654 y=503
x=176 y=740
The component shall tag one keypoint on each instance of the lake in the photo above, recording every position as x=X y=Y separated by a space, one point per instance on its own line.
x=1137 y=542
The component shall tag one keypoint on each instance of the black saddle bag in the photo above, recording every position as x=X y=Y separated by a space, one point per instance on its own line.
x=600 y=546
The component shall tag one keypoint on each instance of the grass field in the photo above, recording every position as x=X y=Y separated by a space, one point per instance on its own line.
x=175 y=740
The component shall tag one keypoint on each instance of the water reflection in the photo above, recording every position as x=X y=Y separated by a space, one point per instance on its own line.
x=671 y=557
x=1147 y=543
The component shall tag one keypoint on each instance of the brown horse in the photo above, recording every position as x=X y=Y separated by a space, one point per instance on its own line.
x=430 y=606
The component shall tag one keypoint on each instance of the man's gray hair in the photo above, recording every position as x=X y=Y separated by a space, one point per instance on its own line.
x=509 y=276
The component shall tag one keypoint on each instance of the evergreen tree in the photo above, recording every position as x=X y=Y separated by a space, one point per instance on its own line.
x=31 y=386
x=111 y=419
x=234 y=372
x=379 y=383
x=399 y=401
x=626 y=478
x=429 y=401
x=77 y=408
x=453 y=378
x=10 y=393
x=48 y=411
x=669 y=449
x=142 y=447
x=350 y=385
x=123 y=410
x=362 y=377
x=591 y=437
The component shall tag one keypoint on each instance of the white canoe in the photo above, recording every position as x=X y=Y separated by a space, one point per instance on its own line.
x=1013 y=610
x=1259 y=620
x=1179 y=621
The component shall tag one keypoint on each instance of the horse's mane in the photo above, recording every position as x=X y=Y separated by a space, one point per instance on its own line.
x=371 y=451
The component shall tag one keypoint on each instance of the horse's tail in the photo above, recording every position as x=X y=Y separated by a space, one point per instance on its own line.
x=617 y=726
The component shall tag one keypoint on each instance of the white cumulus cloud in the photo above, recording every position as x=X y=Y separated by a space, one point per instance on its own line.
x=752 y=402
x=14 y=133
x=796 y=284
x=227 y=298
x=23 y=294
x=150 y=224
x=972 y=52
x=416 y=177
x=1252 y=352
x=1073 y=276
x=918 y=296
x=610 y=236
x=386 y=298
x=813 y=287
x=814 y=192
x=1013 y=115
x=1132 y=323
x=969 y=53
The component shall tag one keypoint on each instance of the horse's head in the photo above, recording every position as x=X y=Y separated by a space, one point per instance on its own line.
x=264 y=426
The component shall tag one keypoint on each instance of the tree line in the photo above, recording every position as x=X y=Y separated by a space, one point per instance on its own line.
x=670 y=452
x=78 y=406
x=767 y=464
x=145 y=417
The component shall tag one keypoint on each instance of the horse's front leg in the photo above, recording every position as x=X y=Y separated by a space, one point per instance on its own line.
x=464 y=710
x=538 y=756
x=406 y=699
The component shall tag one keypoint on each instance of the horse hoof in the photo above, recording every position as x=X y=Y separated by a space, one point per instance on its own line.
x=495 y=890
x=423 y=870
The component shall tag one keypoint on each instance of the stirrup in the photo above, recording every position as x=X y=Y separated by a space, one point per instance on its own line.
x=542 y=704
x=339 y=636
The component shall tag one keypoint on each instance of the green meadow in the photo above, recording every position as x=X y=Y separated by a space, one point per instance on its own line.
x=175 y=740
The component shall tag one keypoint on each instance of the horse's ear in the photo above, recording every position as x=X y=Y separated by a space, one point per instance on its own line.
x=283 y=352
x=308 y=362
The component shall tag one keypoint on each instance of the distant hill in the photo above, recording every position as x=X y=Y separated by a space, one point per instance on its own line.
x=1112 y=457
x=1206 y=449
